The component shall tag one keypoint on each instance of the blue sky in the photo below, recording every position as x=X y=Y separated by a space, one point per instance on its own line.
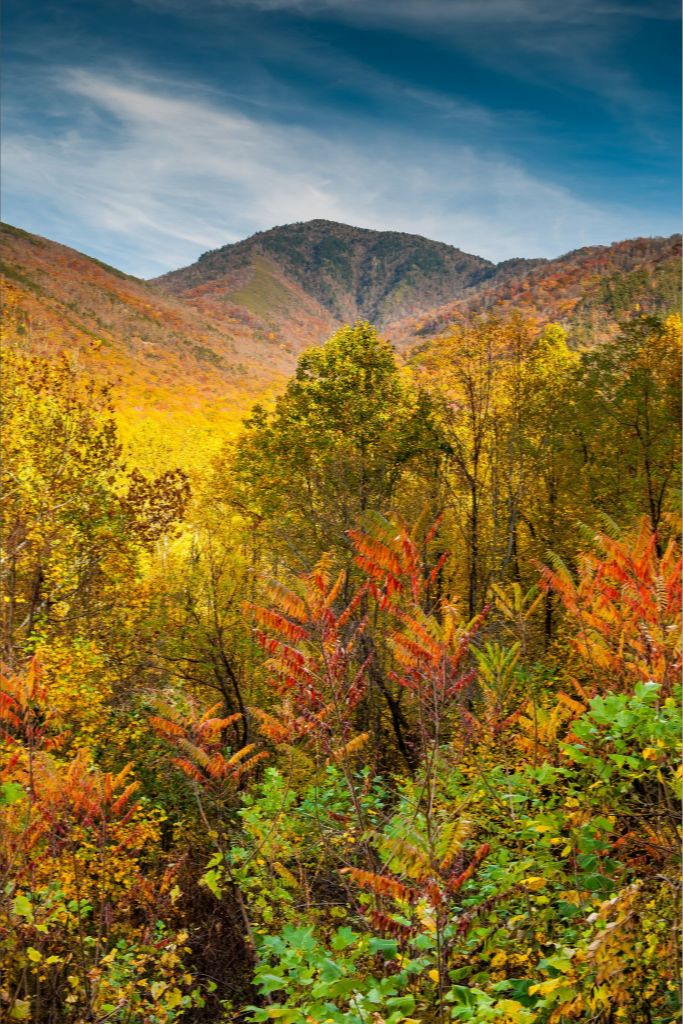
x=145 y=132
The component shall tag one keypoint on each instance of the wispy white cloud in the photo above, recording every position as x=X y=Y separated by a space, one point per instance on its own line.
x=155 y=173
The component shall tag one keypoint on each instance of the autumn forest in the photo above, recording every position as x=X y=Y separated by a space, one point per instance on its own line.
x=358 y=702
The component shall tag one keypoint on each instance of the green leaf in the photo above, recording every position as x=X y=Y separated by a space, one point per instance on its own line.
x=343 y=938
x=461 y=995
x=10 y=793
x=211 y=879
x=387 y=946
x=330 y=970
x=270 y=983
x=406 y=1004
x=22 y=907
x=596 y=883
x=342 y=987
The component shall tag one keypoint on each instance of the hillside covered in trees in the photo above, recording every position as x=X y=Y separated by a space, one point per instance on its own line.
x=369 y=711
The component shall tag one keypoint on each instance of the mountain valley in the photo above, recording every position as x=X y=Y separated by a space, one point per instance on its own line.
x=196 y=347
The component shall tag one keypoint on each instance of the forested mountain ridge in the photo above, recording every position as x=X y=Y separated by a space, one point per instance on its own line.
x=50 y=289
x=412 y=287
x=169 y=361
x=354 y=273
x=589 y=291
x=196 y=348
x=236 y=320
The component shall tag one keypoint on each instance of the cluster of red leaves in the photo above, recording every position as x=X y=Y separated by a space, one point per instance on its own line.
x=313 y=663
x=430 y=647
x=438 y=884
x=199 y=738
x=394 y=563
x=67 y=797
x=626 y=609
x=312 y=636
x=25 y=712
x=63 y=799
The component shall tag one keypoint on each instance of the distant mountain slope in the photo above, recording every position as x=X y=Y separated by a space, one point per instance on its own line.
x=589 y=290
x=351 y=273
x=173 y=365
x=328 y=274
x=167 y=353
x=197 y=347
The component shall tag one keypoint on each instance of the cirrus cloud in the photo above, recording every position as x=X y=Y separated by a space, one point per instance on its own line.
x=148 y=173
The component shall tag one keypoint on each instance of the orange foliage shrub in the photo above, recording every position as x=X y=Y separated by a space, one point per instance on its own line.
x=625 y=607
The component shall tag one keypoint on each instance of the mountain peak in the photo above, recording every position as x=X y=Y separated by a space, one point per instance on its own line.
x=351 y=272
x=319 y=227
